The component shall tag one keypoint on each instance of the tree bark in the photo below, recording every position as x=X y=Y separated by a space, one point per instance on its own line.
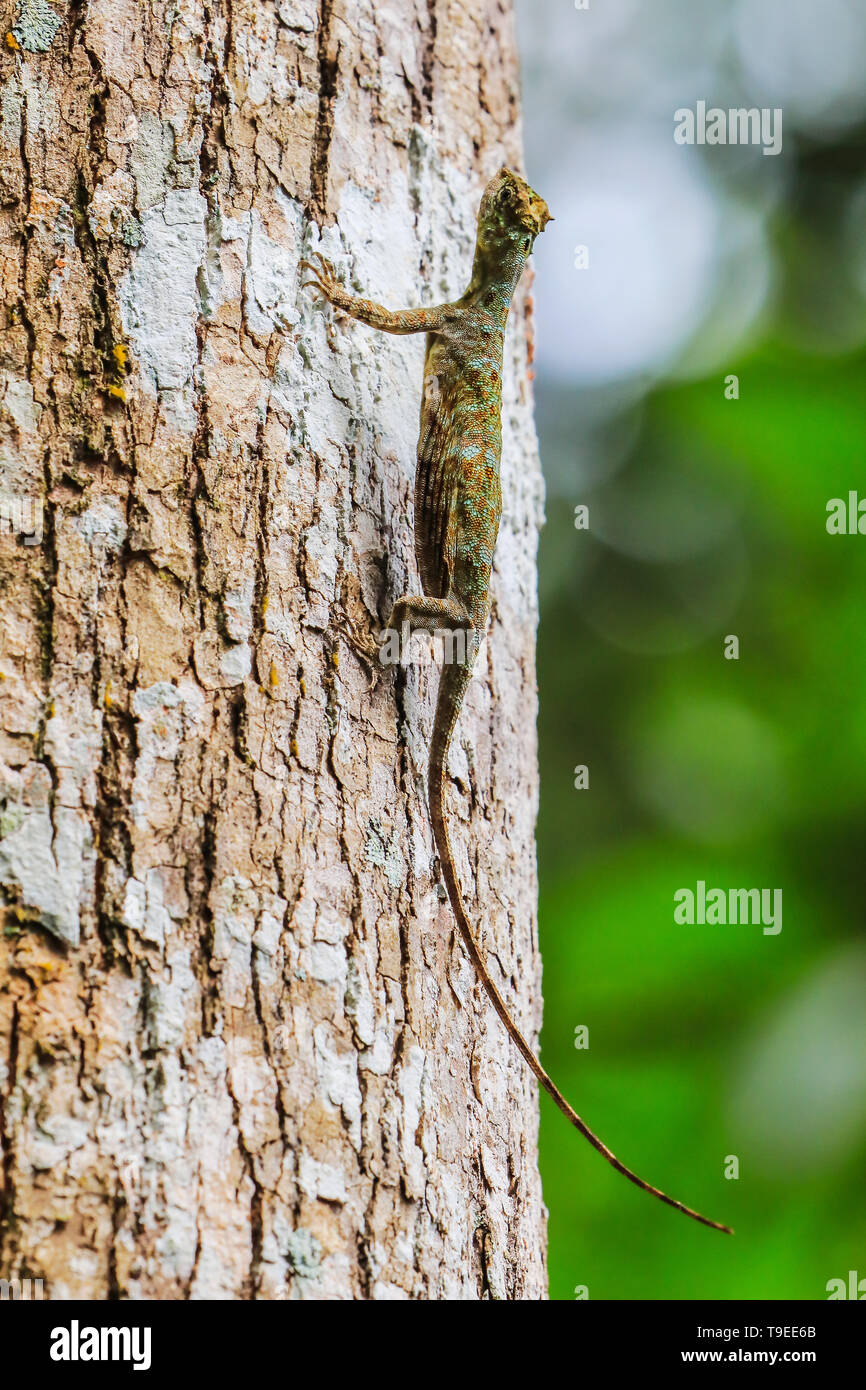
x=243 y=1054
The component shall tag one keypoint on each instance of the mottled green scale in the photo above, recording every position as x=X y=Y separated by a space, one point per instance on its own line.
x=458 y=500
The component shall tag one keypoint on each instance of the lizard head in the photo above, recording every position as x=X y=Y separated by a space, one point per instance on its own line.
x=510 y=217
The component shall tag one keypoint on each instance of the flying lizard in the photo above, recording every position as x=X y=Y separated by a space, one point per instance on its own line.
x=458 y=505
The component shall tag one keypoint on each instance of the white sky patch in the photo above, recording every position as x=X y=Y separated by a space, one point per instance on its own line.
x=650 y=224
x=799 y=1099
x=808 y=58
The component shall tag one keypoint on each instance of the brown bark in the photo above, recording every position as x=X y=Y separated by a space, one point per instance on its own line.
x=242 y=1054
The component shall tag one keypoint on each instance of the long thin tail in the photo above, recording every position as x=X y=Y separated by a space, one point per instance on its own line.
x=453 y=683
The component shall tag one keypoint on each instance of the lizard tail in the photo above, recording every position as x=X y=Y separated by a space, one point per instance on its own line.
x=455 y=678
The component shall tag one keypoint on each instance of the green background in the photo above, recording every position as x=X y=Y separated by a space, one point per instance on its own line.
x=707 y=518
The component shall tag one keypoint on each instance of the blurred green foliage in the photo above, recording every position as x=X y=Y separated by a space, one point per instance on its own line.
x=707 y=517
x=707 y=1041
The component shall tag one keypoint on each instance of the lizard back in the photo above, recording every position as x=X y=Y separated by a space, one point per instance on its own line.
x=458 y=499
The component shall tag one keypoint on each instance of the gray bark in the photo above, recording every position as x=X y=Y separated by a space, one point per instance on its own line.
x=242 y=1053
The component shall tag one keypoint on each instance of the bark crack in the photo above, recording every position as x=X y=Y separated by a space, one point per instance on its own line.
x=328 y=73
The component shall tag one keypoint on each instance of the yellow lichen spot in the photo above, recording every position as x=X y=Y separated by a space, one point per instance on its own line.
x=12 y=42
x=335 y=658
x=294 y=747
x=266 y=600
x=120 y=353
x=118 y=393
x=302 y=686
x=274 y=677
x=106 y=699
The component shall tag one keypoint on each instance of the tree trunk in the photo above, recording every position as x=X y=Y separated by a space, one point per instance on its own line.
x=243 y=1053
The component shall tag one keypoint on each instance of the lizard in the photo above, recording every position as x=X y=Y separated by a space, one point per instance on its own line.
x=458 y=507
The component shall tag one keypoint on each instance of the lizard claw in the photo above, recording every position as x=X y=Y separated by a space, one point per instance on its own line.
x=363 y=645
x=324 y=275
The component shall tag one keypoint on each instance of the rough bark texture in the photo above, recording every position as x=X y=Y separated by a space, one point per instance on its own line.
x=243 y=1054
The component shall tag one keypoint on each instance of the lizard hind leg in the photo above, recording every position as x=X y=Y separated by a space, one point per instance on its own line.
x=425 y=614
x=419 y=613
x=446 y=618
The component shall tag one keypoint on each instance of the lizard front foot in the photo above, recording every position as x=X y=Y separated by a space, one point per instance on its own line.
x=324 y=277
